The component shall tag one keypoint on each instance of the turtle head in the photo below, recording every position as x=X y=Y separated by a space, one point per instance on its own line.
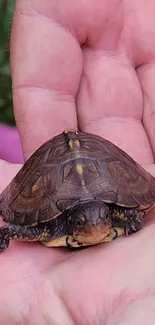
x=89 y=222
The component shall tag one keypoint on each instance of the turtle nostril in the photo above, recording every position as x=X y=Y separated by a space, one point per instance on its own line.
x=98 y=221
x=79 y=223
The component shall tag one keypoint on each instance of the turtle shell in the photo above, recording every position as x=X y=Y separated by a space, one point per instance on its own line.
x=71 y=167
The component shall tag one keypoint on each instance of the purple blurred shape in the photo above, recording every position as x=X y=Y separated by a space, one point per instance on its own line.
x=10 y=146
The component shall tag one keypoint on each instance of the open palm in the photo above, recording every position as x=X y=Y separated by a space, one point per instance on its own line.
x=105 y=284
x=105 y=86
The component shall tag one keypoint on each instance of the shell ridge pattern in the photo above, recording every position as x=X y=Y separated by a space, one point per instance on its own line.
x=76 y=166
x=131 y=181
x=75 y=146
x=33 y=167
x=111 y=153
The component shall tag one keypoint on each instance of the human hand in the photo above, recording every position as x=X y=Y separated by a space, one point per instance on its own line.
x=114 y=76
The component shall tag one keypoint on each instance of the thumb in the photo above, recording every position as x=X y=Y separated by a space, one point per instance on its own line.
x=150 y=169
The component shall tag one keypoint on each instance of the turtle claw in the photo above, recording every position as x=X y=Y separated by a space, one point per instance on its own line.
x=114 y=233
x=134 y=221
x=4 y=243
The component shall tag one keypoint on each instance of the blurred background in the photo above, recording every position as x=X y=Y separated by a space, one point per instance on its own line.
x=6 y=109
x=10 y=147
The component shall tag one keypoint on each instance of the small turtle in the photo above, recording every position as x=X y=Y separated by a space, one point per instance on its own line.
x=76 y=190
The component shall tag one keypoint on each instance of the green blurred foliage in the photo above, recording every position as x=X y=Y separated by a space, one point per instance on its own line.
x=6 y=106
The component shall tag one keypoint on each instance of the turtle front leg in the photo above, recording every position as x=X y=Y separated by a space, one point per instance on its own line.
x=131 y=220
x=22 y=233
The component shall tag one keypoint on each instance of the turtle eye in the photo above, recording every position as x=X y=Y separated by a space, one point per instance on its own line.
x=80 y=220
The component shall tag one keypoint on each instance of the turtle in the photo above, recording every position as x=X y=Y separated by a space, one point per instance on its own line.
x=76 y=190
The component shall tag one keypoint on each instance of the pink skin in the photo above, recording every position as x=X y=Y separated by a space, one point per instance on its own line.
x=114 y=75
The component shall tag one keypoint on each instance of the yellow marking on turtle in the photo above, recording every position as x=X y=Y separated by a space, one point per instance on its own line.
x=45 y=234
x=71 y=144
x=58 y=242
x=79 y=170
x=126 y=174
x=68 y=130
x=117 y=214
x=34 y=188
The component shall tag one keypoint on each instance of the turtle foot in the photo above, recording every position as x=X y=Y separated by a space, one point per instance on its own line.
x=4 y=243
x=134 y=221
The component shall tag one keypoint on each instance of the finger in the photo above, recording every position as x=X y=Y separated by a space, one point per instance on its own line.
x=150 y=169
x=146 y=75
x=110 y=98
x=7 y=172
x=45 y=76
x=111 y=106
